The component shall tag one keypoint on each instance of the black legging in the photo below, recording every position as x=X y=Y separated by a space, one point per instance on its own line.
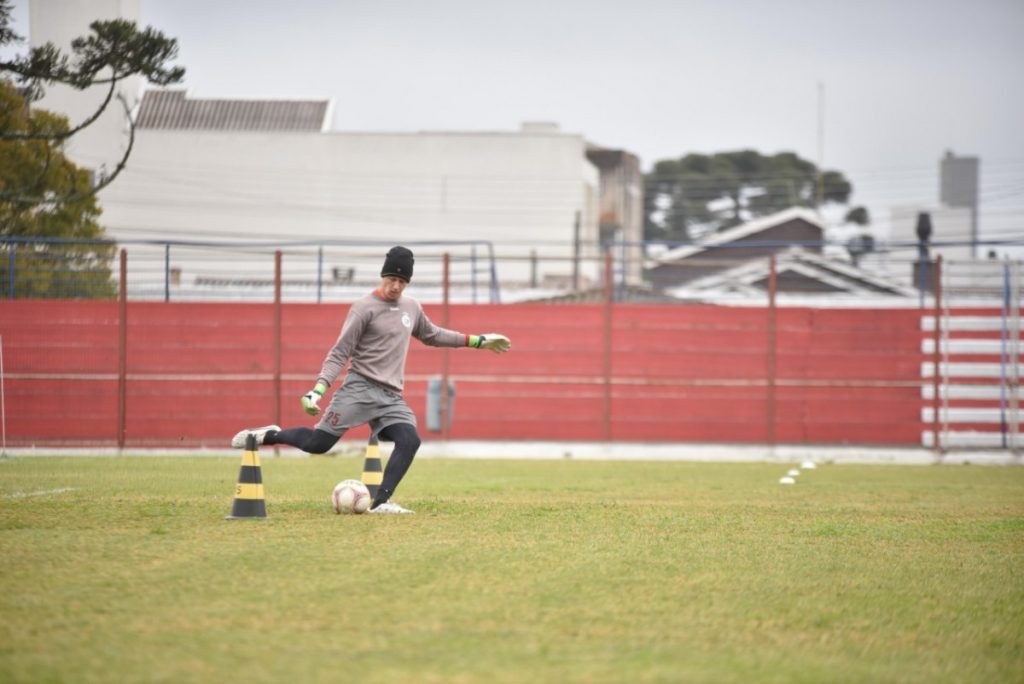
x=407 y=443
x=406 y=439
x=309 y=440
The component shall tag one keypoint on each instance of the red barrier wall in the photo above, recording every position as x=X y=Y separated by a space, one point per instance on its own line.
x=198 y=372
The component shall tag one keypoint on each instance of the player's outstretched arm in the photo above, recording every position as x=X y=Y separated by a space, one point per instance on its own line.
x=498 y=344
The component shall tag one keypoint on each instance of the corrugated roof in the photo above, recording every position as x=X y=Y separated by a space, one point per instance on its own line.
x=171 y=109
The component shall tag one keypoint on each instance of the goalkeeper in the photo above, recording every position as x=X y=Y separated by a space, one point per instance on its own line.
x=374 y=340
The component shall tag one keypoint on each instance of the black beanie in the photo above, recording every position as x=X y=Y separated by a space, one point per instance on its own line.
x=398 y=263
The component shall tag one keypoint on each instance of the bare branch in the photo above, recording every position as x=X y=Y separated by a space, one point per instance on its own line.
x=112 y=51
x=51 y=200
x=57 y=136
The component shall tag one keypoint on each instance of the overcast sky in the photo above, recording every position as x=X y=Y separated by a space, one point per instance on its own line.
x=903 y=80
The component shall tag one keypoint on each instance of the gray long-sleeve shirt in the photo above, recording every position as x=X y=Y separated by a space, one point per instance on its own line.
x=375 y=338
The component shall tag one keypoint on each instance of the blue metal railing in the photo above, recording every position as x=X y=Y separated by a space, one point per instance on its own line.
x=30 y=260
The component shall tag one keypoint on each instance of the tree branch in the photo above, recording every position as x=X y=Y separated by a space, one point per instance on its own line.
x=74 y=196
x=57 y=136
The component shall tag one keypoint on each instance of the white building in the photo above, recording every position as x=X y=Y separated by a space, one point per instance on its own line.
x=236 y=178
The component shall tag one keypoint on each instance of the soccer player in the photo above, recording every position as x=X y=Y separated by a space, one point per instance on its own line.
x=374 y=340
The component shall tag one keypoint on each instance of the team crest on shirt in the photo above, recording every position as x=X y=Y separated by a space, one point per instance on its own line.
x=406 y=321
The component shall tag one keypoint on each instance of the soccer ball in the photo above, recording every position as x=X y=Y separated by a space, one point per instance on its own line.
x=351 y=496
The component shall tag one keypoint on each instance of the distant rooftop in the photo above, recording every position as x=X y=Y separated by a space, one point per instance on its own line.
x=171 y=109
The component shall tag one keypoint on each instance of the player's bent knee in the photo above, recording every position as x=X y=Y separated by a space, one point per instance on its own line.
x=412 y=443
x=404 y=436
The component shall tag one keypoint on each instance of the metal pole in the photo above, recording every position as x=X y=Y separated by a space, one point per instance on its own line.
x=770 y=369
x=495 y=291
x=277 y=338
x=622 y=270
x=445 y=323
x=576 y=254
x=122 y=354
x=920 y=283
x=167 y=272
x=937 y=357
x=12 y=263
x=319 y=273
x=3 y=407
x=1003 y=360
x=472 y=270
x=609 y=298
x=1015 y=356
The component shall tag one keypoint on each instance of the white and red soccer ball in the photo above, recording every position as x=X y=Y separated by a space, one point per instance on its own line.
x=351 y=496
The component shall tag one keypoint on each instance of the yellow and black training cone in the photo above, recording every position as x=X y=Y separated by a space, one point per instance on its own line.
x=373 y=475
x=249 y=501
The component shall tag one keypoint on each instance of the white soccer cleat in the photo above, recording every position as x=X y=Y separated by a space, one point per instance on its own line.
x=238 y=441
x=390 y=507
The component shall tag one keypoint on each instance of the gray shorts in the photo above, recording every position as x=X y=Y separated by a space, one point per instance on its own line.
x=361 y=401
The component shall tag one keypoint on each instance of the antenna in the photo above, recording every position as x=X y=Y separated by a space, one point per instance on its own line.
x=820 y=193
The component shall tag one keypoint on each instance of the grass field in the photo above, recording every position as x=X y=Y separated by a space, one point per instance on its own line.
x=124 y=570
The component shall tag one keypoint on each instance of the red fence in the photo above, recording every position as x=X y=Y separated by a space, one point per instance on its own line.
x=195 y=373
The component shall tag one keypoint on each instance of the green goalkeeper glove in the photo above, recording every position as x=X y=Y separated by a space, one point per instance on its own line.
x=311 y=399
x=498 y=344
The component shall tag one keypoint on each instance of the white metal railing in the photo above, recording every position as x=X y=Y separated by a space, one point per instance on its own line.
x=979 y=346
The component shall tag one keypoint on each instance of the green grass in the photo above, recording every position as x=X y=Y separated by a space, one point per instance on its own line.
x=511 y=571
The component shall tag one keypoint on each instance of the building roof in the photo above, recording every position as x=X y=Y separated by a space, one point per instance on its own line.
x=173 y=109
x=798 y=271
x=636 y=294
x=721 y=251
x=741 y=231
x=605 y=158
x=737 y=261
